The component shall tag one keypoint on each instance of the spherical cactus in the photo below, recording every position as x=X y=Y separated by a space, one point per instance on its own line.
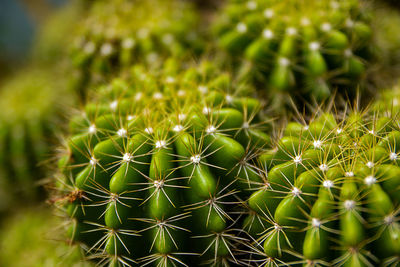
x=332 y=194
x=306 y=48
x=117 y=34
x=27 y=126
x=155 y=166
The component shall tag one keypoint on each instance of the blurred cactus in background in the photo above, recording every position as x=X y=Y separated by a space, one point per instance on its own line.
x=34 y=100
x=170 y=152
x=305 y=48
x=52 y=41
x=28 y=123
x=116 y=34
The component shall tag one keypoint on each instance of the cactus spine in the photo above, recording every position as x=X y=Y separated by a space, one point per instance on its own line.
x=169 y=167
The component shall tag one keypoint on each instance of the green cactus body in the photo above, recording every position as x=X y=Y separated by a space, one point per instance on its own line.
x=156 y=166
x=118 y=34
x=308 y=48
x=332 y=195
x=177 y=168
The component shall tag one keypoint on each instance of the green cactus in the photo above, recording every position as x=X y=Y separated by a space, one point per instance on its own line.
x=119 y=33
x=34 y=235
x=154 y=168
x=306 y=48
x=332 y=194
x=147 y=185
x=27 y=126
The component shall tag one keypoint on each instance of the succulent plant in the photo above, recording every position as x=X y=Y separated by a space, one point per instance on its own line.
x=117 y=34
x=27 y=125
x=306 y=48
x=155 y=164
x=30 y=234
x=147 y=185
x=332 y=194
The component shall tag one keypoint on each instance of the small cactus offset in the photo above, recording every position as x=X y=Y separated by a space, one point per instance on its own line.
x=332 y=194
x=119 y=33
x=155 y=166
x=306 y=48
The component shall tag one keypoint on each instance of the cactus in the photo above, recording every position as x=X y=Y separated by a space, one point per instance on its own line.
x=158 y=160
x=306 y=48
x=147 y=185
x=117 y=34
x=30 y=234
x=331 y=197
x=27 y=123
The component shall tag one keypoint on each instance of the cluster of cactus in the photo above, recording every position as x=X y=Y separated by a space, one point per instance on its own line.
x=308 y=48
x=173 y=164
x=142 y=179
x=26 y=124
x=119 y=33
